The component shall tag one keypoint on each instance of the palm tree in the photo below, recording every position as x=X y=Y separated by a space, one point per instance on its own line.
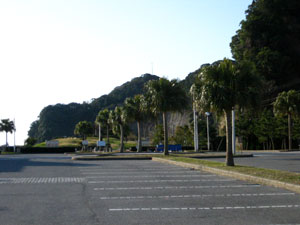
x=165 y=96
x=103 y=119
x=287 y=103
x=7 y=126
x=83 y=128
x=118 y=118
x=136 y=110
x=224 y=85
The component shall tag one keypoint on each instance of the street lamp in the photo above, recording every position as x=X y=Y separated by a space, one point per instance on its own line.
x=207 y=115
x=196 y=140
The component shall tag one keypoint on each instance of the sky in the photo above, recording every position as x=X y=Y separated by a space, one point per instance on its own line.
x=63 y=51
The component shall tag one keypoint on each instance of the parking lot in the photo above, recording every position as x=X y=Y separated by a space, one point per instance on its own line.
x=146 y=192
x=286 y=161
x=135 y=192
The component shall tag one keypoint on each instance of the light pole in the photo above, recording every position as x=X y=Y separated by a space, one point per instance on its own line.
x=196 y=140
x=208 y=144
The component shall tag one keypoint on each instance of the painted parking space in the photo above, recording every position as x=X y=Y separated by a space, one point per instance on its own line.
x=152 y=192
x=43 y=188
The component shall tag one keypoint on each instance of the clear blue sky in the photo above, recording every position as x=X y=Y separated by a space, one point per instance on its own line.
x=62 y=51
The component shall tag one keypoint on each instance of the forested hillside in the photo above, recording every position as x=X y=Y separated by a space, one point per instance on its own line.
x=270 y=38
x=59 y=120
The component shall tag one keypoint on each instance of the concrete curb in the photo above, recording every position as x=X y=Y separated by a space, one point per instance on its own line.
x=218 y=156
x=109 y=158
x=240 y=176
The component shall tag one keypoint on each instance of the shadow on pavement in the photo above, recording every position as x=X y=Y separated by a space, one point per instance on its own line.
x=18 y=164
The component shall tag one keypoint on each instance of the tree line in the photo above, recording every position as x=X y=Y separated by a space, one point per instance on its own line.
x=261 y=84
x=7 y=126
x=220 y=88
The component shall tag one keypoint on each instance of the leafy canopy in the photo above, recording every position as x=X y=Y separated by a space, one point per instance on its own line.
x=7 y=126
x=135 y=109
x=225 y=84
x=83 y=128
x=165 y=96
x=117 y=118
x=103 y=117
x=287 y=103
x=269 y=38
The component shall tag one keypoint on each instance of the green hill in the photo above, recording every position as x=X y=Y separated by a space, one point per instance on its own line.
x=59 y=120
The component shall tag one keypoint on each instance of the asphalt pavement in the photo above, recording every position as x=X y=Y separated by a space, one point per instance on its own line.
x=52 y=189
x=286 y=161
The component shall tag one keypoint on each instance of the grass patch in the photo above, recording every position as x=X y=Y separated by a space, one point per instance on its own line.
x=40 y=145
x=76 y=142
x=284 y=176
x=9 y=153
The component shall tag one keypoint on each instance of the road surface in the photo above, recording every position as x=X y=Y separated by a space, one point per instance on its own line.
x=52 y=189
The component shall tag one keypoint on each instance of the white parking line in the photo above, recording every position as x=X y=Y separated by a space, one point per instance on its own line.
x=158 y=181
x=137 y=170
x=206 y=208
x=42 y=180
x=176 y=187
x=141 y=172
x=195 y=196
x=153 y=176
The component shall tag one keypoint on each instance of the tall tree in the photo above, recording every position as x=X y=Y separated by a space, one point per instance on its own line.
x=183 y=135
x=165 y=96
x=7 y=126
x=269 y=37
x=223 y=86
x=103 y=119
x=245 y=127
x=30 y=142
x=135 y=109
x=265 y=129
x=118 y=119
x=157 y=134
x=84 y=128
x=287 y=103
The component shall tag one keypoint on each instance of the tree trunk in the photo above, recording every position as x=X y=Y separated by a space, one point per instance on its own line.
x=290 y=131
x=273 y=145
x=139 y=144
x=166 y=150
x=100 y=138
x=107 y=139
x=229 y=155
x=6 y=139
x=121 y=139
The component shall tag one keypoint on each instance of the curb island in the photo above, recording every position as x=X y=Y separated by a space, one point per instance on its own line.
x=239 y=176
